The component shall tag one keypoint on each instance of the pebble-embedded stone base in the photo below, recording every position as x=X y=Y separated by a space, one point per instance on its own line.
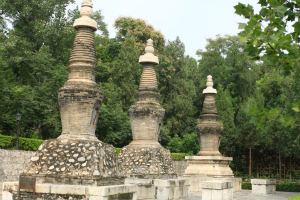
x=66 y=159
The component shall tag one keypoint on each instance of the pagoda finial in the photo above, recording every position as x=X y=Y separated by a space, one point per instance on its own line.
x=209 y=86
x=149 y=57
x=86 y=13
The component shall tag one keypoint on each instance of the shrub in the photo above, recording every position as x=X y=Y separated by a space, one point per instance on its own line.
x=6 y=142
x=284 y=186
x=27 y=144
x=190 y=144
x=288 y=187
x=178 y=156
x=187 y=144
x=246 y=186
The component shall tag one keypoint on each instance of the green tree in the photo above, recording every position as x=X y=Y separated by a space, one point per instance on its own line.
x=273 y=33
x=140 y=31
x=177 y=75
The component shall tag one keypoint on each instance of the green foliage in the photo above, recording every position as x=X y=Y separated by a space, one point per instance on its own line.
x=284 y=186
x=288 y=187
x=246 y=186
x=295 y=198
x=188 y=144
x=27 y=144
x=268 y=35
x=6 y=142
x=140 y=31
x=177 y=75
x=118 y=150
x=178 y=156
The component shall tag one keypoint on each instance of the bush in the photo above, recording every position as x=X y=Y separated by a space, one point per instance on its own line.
x=284 y=187
x=246 y=186
x=190 y=144
x=187 y=144
x=178 y=156
x=6 y=142
x=288 y=187
x=27 y=144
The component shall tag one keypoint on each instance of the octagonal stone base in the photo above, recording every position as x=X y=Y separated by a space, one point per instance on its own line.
x=201 y=169
x=73 y=161
x=146 y=161
x=213 y=166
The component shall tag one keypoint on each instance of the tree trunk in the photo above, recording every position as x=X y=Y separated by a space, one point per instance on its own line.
x=250 y=161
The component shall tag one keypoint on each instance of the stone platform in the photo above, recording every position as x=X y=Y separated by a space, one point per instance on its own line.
x=67 y=192
x=198 y=182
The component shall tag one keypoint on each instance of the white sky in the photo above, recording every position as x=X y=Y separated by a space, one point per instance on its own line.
x=192 y=20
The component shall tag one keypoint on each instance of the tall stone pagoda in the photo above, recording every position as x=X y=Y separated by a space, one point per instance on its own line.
x=77 y=156
x=209 y=163
x=144 y=156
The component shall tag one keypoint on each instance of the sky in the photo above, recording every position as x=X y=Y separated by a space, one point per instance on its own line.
x=193 y=21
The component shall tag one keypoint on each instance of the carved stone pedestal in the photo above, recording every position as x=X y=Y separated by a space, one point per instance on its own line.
x=212 y=166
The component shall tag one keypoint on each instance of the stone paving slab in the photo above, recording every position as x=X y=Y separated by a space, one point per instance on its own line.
x=247 y=195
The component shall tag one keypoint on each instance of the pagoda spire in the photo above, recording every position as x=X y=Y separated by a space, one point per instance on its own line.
x=80 y=99
x=209 y=129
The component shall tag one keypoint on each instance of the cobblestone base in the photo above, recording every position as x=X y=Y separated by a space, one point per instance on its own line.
x=146 y=162
x=65 y=159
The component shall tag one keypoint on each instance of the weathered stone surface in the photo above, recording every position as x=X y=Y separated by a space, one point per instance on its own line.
x=217 y=190
x=77 y=156
x=213 y=166
x=72 y=161
x=71 y=192
x=209 y=129
x=210 y=164
x=146 y=162
x=263 y=186
x=12 y=163
x=160 y=189
x=144 y=156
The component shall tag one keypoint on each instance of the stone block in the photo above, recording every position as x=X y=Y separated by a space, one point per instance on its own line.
x=7 y=195
x=217 y=190
x=43 y=188
x=67 y=189
x=160 y=189
x=214 y=185
x=263 y=186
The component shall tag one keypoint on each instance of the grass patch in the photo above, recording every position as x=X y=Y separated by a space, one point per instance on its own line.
x=294 y=198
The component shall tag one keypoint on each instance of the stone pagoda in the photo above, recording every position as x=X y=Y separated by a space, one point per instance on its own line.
x=77 y=156
x=209 y=163
x=144 y=156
